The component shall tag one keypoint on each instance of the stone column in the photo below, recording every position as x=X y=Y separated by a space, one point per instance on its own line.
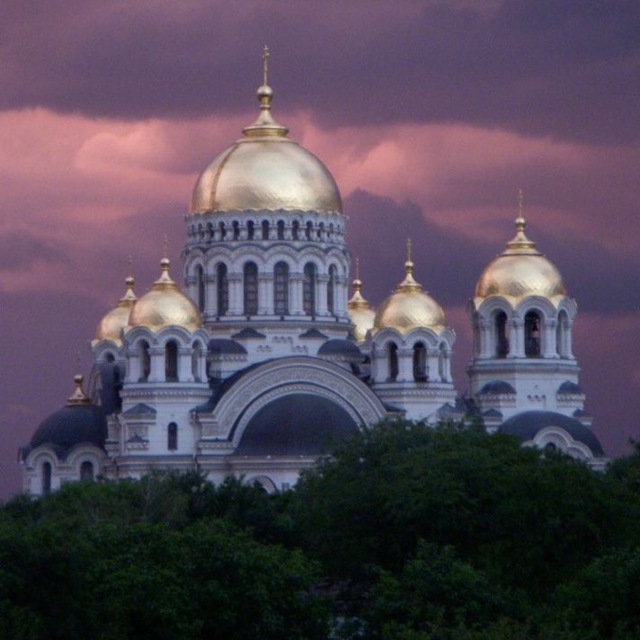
x=295 y=294
x=156 y=373
x=322 y=281
x=265 y=294
x=405 y=365
x=236 y=297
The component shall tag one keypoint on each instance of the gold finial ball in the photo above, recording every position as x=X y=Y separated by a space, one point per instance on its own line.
x=78 y=378
x=265 y=91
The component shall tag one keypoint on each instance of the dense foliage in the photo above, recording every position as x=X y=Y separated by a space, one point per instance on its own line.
x=406 y=532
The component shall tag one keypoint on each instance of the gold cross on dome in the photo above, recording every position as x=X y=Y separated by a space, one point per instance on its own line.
x=265 y=64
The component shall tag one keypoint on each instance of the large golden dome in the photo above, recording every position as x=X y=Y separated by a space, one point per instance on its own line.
x=165 y=305
x=266 y=170
x=409 y=307
x=111 y=326
x=520 y=270
x=360 y=312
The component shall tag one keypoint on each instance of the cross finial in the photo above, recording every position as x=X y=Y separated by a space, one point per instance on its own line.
x=165 y=246
x=520 y=202
x=130 y=267
x=265 y=65
x=409 y=245
x=357 y=268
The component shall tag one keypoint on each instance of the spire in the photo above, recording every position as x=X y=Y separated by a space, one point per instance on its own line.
x=409 y=283
x=129 y=295
x=520 y=243
x=265 y=125
x=165 y=280
x=78 y=396
x=265 y=66
x=357 y=301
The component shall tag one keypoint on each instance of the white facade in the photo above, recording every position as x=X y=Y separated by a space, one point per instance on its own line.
x=264 y=363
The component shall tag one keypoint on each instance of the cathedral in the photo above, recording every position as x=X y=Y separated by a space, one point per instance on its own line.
x=270 y=356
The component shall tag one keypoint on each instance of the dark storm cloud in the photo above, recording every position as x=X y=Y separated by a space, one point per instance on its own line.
x=19 y=251
x=539 y=67
x=448 y=263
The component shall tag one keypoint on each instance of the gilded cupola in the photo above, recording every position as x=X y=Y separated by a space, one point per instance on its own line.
x=265 y=171
x=360 y=312
x=520 y=270
x=409 y=306
x=112 y=324
x=165 y=305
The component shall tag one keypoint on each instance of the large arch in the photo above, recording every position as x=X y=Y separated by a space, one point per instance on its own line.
x=288 y=377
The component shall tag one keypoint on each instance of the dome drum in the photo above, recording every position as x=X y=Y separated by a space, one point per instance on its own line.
x=213 y=229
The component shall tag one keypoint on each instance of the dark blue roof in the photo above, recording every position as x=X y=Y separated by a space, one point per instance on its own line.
x=492 y=413
x=313 y=333
x=527 y=424
x=296 y=424
x=224 y=345
x=70 y=426
x=338 y=347
x=496 y=387
x=141 y=409
x=569 y=387
x=248 y=332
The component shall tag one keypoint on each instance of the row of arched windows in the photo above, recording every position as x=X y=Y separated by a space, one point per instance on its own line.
x=532 y=335
x=222 y=231
x=87 y=473
x=250 y=289
x=171 y=369
x=419 y=362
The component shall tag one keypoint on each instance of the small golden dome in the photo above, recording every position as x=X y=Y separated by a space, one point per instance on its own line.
x=266 y=170
x=520 y=271
x=360 y=312
x=165 y=305
x=409 y=306
x=112 y=324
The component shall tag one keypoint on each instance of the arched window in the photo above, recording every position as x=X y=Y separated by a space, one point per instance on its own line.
x=251 y=229
x=236 y=229
x=308 y=230
x=172 y=436
x=392 y=351
x=309 y=289
x=171 y=361
x=281 y=289
x=331 y=288
x=295 y=229
x=200 y=232
x=502 y=340
x=265 y=229
x=145 y=361
x=210 y=232
x=46 y=478
x=321 y=231
x=200 y=287
x=223 y=231
x=419 y=362
x=86 y=471
x=222 y=289
x=250 y=289
x=109 y=357
x=280 y=229
x=531 y=334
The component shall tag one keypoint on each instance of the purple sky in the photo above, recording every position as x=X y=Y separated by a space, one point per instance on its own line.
x=431 y=115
